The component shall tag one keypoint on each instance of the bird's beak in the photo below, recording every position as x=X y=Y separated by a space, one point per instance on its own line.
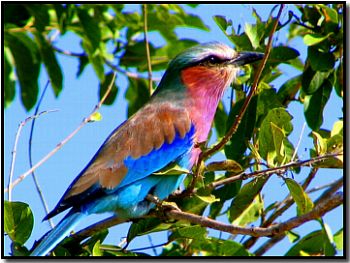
x=243 y=58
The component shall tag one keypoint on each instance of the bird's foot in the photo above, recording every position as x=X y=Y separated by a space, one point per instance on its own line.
x=170 y=206
x=162 y=206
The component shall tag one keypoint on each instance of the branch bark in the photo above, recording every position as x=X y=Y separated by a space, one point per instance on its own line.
x=276 y=230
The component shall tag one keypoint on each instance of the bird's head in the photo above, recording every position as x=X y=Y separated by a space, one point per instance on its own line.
x=209 y=67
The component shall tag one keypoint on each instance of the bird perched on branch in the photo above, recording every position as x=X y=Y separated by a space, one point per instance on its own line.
x=164 y=131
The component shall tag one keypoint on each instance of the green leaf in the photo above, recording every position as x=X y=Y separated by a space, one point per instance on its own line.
x=224 y=193
x=314 y=105
x=245 y=197
x=292 y=236
x=338 y=239
x=319 y=143
x=310 y=14
x=241 y=42
x=146 y=226
x=222 y=22
x=220 y=120
x=190 y=232
x=104 y=87
x=83 y=62
x=41 y=15
x=18 y=221
x=313 y=39
x=172 y=169
x=194 y=204
x=303 y=201
x=339 y=80
x=251 y=213
x=320 y=61
x=137 y=95
x=274 y=129
x=18 y=250
x=337 y=128
x=237 y=145
x=289 y=89
x=329 y=249
x=97 y=116
x=51 y=64
x=208 y=199
x=311 y=244
x=311 y=81
x=282 y=54
x=252 y=33
x=95 y=59
x=267 y=100
x=217 y=247
x=195 y=21
x=27 y=63
x=96 y=251
x=9 y=80
x=90 y=27
x=330 y=14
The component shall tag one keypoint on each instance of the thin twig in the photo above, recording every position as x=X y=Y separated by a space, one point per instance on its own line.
x=14 y=151
x=269 y=171
x=36 y=182
x=70 y=136
x=149 y=65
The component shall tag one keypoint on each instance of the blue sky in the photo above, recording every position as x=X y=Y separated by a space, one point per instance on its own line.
x=78 y=98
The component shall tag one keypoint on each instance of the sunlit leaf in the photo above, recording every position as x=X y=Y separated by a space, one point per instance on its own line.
x=251 y=213
x=303 y=201
x=18 y=221
x=338 y=239
x=313 y=39
x=96 y=116
x=9 y=80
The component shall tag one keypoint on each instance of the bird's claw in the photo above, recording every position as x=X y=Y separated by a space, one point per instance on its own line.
x=169 y=206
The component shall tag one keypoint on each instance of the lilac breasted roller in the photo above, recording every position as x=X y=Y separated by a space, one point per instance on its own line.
x=164 y=131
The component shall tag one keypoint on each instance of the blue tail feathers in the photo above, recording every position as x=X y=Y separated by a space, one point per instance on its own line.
x=58 y=233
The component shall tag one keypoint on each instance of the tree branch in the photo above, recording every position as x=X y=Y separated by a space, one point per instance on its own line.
x=318 y=211
x=269 y=171
x=70 y=136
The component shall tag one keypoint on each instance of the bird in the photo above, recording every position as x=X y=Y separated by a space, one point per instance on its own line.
x=165 y=131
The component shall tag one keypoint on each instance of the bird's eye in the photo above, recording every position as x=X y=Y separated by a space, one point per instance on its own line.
x=214 y=59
